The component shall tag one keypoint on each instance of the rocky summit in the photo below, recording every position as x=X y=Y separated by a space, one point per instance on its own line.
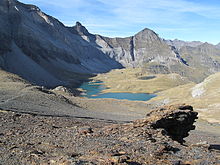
x=157 y=139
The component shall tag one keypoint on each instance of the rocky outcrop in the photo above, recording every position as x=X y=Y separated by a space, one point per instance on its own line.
x=37 y=139
x=176 y=120
x=66 y=91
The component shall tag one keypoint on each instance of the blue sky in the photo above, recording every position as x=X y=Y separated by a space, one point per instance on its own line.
x=183 y=19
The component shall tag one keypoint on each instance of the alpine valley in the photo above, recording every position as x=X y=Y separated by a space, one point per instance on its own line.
x=45 y=120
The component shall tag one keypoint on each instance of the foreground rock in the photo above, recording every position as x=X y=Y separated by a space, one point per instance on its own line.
x=176 y=120
x=31 y=139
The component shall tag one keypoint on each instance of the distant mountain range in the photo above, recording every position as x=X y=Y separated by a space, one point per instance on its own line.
x=42 y=50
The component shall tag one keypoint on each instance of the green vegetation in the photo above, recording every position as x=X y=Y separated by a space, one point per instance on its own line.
x=133 y=80
x=204 y=97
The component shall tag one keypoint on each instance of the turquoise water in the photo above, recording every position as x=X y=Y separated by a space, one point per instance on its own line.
x=94 y=90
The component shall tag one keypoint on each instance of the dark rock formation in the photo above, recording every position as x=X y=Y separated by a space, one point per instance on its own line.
x=176 y=120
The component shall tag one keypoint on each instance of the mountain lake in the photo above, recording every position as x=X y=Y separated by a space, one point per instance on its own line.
x=94 y=90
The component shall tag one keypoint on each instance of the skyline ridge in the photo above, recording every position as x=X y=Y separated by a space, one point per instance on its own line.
x=186 y=20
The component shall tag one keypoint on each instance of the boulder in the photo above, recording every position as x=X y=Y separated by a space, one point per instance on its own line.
x=177 y=120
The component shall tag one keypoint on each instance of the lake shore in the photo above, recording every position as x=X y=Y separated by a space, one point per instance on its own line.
x=94 y=89
x=134 y=81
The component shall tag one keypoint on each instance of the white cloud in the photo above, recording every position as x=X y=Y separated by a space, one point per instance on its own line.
x=151 y=11
x=130 y=11
x=129 y=16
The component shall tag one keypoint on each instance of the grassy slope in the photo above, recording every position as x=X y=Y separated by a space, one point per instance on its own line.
x=205 y=97
x=129 y=80
x=14 y=90
x=171 y=88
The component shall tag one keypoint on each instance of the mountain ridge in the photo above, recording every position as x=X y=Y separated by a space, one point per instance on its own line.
x=60 y=52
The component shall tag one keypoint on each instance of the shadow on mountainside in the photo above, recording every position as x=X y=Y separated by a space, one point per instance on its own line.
x=47 y=55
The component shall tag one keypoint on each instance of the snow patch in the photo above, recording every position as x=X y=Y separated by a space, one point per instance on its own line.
x=198 y=90
x=166 y=101
x=86 y=38
x=45 y=18
x=173 y=76
x=16 y=8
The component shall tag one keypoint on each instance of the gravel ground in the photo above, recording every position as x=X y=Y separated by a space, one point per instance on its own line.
x=44 y=127
x=31 y=139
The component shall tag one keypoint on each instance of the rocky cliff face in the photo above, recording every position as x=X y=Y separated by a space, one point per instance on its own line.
x=143 y=47
x=204 y=58
x=42 y=50
x=217 y=46
x=179 y=43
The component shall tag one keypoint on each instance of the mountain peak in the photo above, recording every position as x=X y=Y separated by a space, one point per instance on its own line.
x=147 y=30
x=206 y=44
x=217 y=45
x=78 y=24
x=81 y=29
x=147 y=34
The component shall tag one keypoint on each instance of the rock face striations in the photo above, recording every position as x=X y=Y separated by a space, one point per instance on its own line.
x=144 y=47
x=42 y=50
